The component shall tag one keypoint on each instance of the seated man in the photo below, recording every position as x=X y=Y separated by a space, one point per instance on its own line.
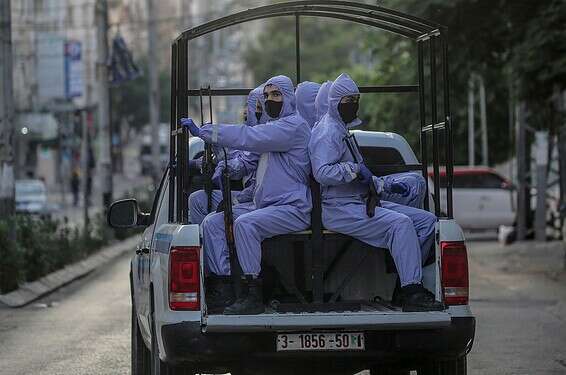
x=344 y=188
x=281 y=201
x=408 y=188
x=321 y=101
x=241 y=166
x=306 y=95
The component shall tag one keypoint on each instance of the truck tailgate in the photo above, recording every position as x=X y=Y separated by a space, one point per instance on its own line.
x=375 y=321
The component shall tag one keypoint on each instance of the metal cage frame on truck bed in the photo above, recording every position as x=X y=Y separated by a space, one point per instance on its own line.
x=430 y=39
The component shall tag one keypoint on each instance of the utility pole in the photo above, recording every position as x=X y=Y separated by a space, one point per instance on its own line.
x=522 y=160
x=103 y=92
x=6 y=113
x=153 y=68
x=474 y=80
x=541 y=147
x=471 y=128
x=85 y=163
x=483 y=119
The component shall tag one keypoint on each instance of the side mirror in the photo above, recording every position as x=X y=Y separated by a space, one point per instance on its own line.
x=125 y=214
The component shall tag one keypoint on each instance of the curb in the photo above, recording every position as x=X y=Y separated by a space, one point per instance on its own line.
x=31 y=291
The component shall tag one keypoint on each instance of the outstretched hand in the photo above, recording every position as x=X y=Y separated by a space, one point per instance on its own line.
x=190 y=124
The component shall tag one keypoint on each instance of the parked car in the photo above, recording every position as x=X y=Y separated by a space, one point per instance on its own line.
x=31 y=197
x=483 y=199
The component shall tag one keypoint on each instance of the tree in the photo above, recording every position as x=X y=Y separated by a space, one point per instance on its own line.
x=523 y=42
x=129 y=100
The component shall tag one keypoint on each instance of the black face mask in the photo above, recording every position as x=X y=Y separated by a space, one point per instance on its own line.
x=273 y=108
x=258 y=116
x=348 y=111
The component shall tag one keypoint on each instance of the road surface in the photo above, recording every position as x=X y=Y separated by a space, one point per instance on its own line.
x=519 y=301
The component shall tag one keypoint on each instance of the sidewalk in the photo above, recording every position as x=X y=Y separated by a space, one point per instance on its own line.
x=31 y=291
x=528 y=257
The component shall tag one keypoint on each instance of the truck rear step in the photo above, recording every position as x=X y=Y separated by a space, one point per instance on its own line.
x=360 y=320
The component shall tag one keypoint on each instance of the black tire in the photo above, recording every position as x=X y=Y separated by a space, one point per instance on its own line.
x=141 y=362
x=159 y=367
x=455 y=367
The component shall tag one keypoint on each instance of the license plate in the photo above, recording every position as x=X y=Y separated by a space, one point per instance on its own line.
x=320 y=341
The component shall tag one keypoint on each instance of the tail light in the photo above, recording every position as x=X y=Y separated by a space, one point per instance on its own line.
x=455 y=281
x=184 y=278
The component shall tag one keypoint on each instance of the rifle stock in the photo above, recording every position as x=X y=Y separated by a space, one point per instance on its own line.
x=229 y=221
x=207 y=164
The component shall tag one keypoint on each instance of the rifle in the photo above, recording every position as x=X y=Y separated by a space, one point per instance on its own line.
x=373 y=197
x=207 y=163
x=229 y=224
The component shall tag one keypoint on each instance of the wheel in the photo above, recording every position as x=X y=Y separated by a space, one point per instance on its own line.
x=141 y=363
x=455 y=367
x=159 y=367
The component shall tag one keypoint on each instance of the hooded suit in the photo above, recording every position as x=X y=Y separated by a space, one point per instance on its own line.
x=306 y=95
x=281 y=201
x=241 y=165
x=401 y=229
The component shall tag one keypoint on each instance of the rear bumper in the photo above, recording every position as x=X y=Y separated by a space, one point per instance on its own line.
x=185 y=343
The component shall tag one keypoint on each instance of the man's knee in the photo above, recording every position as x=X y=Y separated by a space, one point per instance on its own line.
x=213 y=222
x=241 y=222
x=429 y=219
x=196 y=199
x=402 y=221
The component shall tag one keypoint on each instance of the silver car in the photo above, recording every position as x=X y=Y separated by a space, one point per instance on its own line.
x=31 y=197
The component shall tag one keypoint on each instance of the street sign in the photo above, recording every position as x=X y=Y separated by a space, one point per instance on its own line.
x=73 y=69
x=50 y=67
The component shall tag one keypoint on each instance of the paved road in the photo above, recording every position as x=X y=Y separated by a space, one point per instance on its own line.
x=519 y=299
x=518 y=296
x=84 y=331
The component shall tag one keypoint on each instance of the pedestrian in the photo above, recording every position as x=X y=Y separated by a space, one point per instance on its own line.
x=75 y=185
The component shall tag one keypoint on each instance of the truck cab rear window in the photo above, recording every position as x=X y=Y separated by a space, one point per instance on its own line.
x=382 y=156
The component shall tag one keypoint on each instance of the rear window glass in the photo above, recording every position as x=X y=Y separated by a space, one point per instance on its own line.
x=475 y=181
x=382 y=156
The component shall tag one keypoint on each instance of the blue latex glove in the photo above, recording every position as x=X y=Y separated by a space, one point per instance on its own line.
x=400 y=188
x=365 y=174
x=193 y=128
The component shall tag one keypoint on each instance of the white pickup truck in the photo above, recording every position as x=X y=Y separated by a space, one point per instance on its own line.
x=328 y=311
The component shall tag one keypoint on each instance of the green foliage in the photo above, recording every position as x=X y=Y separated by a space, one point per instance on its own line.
x=326 y=47
x=11 y=259
x=43 y=246
x=506 y=42
x=130 y=100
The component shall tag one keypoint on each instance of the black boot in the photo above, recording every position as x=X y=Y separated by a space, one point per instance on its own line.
x=415 y=298
x=251 y=300
x=219 y=292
